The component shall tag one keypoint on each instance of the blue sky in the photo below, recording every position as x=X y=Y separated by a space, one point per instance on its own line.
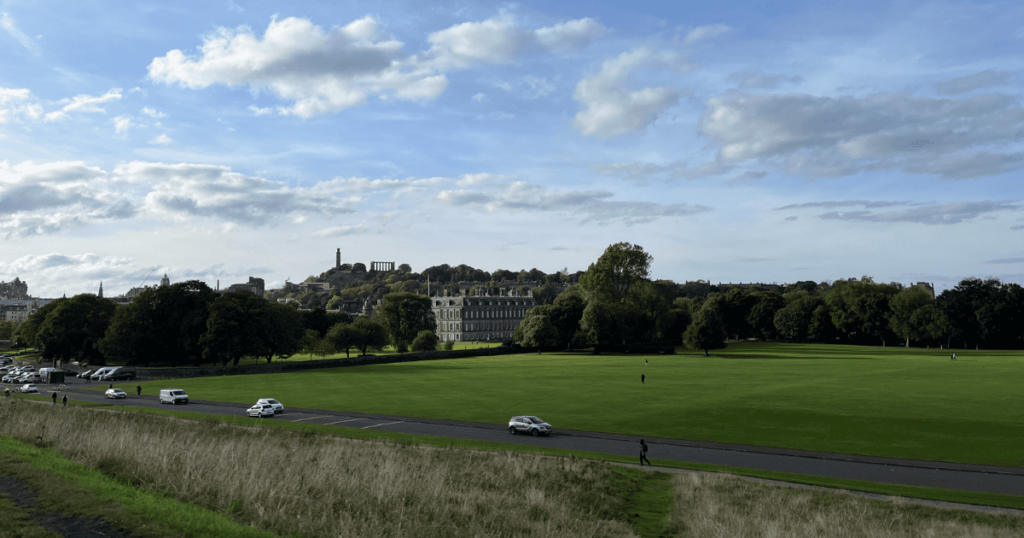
x=735 y=142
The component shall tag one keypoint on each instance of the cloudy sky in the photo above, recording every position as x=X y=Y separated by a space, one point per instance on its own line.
x=734 y=141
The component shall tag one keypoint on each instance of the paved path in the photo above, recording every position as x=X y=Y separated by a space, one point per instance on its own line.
x=978 y=478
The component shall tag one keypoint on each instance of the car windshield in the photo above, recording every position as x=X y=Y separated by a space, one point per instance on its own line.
x=178 y=392
x=535 y=420
x=272 y=401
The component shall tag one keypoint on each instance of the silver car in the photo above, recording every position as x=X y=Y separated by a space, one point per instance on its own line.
x=528 y=424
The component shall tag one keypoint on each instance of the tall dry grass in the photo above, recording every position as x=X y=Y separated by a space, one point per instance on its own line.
x=316 y=485
x=722 y=506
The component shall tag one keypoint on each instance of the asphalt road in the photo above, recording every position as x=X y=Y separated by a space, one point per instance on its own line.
x=979 y=478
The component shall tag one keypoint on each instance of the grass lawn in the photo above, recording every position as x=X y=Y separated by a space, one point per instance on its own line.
x=388 y=350
x=864 y=400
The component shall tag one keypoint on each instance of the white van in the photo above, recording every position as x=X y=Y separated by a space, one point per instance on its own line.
x=173 y=396
x=44 y=371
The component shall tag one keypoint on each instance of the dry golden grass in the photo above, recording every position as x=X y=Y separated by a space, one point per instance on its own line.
x=722 y=506
x=314 y=485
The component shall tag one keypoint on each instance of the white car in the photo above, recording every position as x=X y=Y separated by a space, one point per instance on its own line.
x=278 y=406
x=260 y=411
x=116 y=393
x=528 y=424
x=26 y=389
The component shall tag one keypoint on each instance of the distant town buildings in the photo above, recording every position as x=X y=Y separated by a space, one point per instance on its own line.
x=255 y=286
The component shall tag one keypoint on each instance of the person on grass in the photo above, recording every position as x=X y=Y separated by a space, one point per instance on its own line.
x=54 y=395
x=138 y=390
x=642 y=378
x=643 y=453
x=65 y=400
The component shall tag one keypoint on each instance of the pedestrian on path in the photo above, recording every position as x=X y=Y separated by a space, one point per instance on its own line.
x=643 y=453
x=54 y=395
x=642 y=377
x=65 y=400
x=138 y=390
x=952 y=357
x=645 y=362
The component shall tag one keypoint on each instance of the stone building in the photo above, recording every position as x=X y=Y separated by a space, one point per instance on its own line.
x=481 y=317
x=16 y=289
x=254 y=286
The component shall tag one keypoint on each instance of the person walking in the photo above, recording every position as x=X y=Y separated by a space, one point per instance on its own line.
x=65 y=400
x=642 y=377
x=645 y=362
x=138 y=390
x=54 y=397
x=643 y=453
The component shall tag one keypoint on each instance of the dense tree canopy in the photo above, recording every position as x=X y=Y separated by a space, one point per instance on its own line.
x=74 y=327
x=404 y=315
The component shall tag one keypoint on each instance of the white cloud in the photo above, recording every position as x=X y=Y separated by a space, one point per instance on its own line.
x=479 y=97
x=48 y=197
x=834 y=137
x=321 y=71
x=123 y=123
x=704 y=32
x=570 y=35
x=340 y=231
x=258 y=111
x=153 y=113
x=18 y=103
x=751 y=80
x=901 y=211
x=611 y=108
x=8 y=25
x=325 y=71
x=84 y=103
x=162 y=140
x=592 y=205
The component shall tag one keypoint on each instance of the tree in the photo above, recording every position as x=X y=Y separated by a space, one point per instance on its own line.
x=405 y=268
x=369 y=334
x=930 y=323
x=28 y=330
x=233 y=328
x=903 y=306
x=675 y=321
x=343 y=337
x=281 y=332
x=310 y=341
x=538 y=331
x=707 y=330
x=616 y=272
x=762 y=315
x=404 y=315
x=860 y=309
x=7 y=329
x=74 y=327
x=598 y=325
x=801 y=319
x=425 y=341
x=566 y=313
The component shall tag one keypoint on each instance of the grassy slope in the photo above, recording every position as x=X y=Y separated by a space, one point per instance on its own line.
x=878 y=401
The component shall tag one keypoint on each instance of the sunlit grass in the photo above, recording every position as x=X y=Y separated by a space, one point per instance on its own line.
x=892 y=402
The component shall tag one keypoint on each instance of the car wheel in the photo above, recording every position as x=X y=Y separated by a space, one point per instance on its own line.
x=511 y=430
x=535 y=433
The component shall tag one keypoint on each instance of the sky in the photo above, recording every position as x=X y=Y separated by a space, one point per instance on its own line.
x=734 y=141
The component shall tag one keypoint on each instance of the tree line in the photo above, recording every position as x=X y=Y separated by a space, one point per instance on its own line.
x=189 y=324
x=616 y=303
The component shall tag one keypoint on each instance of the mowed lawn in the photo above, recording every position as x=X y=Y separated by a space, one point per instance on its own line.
x=891 y=402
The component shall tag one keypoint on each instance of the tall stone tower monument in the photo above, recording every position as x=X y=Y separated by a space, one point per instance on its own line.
x=337 y=259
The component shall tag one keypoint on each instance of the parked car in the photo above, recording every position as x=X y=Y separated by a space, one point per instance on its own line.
x=116 y=394
x=98 y=374
x=260 y=411
x=528 y=424
x=10 y=378
x=278 y=406
x=86 y=374
x=173 y=396
x=121 y=374
x=28 y=388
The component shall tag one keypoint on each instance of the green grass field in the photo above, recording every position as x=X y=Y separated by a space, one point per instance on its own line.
x=864 y=400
